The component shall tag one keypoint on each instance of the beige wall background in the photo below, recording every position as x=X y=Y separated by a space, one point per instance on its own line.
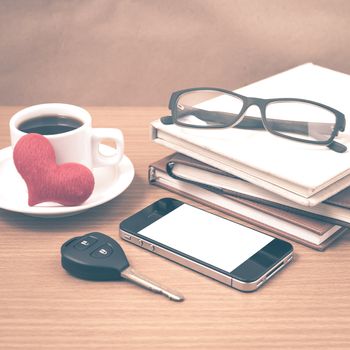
x=109 y=52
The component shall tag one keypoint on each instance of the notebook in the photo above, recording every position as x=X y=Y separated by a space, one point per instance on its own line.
x=310 y=232
x=335 y=210
x=303 y=173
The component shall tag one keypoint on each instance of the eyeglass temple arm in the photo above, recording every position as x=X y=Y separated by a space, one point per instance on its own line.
x=249 y=122
x=337 y=147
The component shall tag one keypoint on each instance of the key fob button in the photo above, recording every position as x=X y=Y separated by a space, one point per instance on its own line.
x=102 y=252
x=85 y=243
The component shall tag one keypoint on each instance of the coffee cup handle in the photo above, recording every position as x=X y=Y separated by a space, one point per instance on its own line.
x=99 y=134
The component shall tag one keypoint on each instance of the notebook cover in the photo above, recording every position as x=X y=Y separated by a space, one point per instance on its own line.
x=303 y=173
x=250 y=222
x=341 y=200
x=313 y=225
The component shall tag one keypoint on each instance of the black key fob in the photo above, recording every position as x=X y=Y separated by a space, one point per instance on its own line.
x=94 y=256
x=98 y=257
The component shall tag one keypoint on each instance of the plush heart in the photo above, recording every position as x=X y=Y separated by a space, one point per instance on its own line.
x=67 y=184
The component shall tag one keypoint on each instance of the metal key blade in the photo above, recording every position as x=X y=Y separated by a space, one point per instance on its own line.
x=130 y=274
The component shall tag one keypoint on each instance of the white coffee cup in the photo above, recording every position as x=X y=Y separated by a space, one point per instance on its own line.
x=80 y=145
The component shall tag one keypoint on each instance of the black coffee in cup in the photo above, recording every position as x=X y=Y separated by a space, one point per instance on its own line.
x=50 y=124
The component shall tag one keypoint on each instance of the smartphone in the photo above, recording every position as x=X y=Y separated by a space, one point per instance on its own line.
x=226 y=251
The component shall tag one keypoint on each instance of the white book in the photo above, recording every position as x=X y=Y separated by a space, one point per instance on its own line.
x=303 y=173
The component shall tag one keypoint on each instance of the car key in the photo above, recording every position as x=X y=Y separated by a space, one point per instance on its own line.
x=98 y=257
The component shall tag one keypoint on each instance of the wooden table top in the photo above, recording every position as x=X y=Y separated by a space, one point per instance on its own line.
x=41 y=307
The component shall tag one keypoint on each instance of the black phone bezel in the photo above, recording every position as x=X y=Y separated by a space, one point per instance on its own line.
x=249 y=271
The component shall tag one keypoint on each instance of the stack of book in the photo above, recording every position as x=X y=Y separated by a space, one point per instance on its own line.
x=291 y=189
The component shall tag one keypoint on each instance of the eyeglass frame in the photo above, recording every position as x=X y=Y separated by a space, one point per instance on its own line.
x=261 y=103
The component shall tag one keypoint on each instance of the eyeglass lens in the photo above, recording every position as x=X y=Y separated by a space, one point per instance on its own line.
x=207 y=108
x=305 y=121
x=216 y=109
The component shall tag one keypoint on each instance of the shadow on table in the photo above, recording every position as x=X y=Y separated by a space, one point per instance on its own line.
x=339 y=241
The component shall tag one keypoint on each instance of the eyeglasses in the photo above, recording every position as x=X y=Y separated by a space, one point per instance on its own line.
x=292 y=118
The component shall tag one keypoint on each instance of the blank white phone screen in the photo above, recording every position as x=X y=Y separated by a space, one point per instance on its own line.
x=207 y=237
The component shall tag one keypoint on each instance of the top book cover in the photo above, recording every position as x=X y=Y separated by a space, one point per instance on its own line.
x=304 y=173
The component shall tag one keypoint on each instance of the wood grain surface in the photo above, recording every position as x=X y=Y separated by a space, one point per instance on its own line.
x=307 y=306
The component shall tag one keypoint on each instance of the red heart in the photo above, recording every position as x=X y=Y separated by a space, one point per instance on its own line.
x=67 y=184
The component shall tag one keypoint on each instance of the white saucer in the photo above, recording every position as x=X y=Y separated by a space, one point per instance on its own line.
x=109 y=183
